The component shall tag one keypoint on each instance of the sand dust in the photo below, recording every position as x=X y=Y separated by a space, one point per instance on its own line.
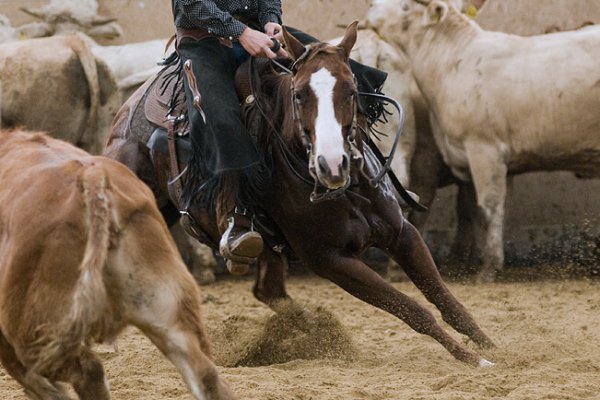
x=548 y=336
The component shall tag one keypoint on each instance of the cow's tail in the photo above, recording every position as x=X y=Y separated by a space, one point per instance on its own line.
x=82 y=49
x=89 y=298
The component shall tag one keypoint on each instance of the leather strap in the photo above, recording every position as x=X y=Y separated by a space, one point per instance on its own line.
x=197 y=97
x=174 y=185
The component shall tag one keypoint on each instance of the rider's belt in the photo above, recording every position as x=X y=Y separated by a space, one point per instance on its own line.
x=199 y=34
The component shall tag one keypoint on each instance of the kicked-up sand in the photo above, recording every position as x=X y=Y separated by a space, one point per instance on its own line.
x=547 y=332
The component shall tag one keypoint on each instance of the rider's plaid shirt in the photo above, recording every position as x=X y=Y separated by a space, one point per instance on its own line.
x=217 y=16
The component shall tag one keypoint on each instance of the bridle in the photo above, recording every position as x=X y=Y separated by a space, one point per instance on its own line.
x=319 y=192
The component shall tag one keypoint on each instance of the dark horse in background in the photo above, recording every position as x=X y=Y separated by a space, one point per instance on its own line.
x=309 y=107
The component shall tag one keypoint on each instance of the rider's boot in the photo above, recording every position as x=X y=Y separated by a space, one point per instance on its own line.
x=240 y=244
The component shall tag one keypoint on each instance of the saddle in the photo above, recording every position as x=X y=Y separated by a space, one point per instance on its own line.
x=165 y=99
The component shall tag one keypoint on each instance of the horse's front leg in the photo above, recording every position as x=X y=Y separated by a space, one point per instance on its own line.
x=410 y=251
x=358 y=279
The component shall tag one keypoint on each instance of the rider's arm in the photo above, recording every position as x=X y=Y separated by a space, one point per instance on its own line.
x=206 y=15
x=269 y=11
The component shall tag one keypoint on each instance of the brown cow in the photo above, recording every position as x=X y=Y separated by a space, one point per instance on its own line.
x=84 y=252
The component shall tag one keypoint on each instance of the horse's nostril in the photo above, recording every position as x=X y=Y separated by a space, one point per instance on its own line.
x=345 y=162
x=323 y=165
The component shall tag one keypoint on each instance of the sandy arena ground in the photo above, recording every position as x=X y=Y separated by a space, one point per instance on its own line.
x=548 y=336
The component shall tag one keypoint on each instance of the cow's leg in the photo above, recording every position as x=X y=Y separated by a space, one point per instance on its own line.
x=177 y=331
x=488 y=172
x=464 y=253
x=411 y=252
x=39 y=388
x=427 y=168
x=358 y=279
x=10 y=361
x=161 y=298
x=87 y=376
x=36 y=387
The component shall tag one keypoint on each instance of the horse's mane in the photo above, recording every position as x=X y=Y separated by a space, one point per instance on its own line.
x=273 y=93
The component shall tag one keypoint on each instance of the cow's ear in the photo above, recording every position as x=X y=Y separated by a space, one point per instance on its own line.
x=477 y=3
x=349 y=38
x=472 y=7
x=292 y=45
x=437 y=11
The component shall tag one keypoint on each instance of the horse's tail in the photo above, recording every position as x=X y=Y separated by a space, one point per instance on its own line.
x=89 y=298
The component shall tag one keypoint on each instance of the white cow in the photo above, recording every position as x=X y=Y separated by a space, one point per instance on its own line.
x=133 y=63
x=67 y=16
x=502 y=103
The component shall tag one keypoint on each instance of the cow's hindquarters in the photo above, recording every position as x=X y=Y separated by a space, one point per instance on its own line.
x=63 y=270
x=162 y=300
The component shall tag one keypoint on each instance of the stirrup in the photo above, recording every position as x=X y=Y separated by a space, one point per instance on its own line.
x=240 y=243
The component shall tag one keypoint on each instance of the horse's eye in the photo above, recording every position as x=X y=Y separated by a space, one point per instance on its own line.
x=300 y=96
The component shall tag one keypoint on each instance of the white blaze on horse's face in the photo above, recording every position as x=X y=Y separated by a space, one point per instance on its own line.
x=331 y=161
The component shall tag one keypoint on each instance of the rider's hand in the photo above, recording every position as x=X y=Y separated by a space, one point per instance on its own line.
x=258 y=44
x=274 y=31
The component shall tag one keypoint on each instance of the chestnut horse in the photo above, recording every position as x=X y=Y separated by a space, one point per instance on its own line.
x=311 y=105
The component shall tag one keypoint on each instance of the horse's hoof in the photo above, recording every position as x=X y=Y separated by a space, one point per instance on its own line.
x=237 y=268
x=483 y=363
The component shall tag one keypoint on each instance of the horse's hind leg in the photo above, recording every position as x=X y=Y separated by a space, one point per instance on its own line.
x=270 y=279
x=413 y=256
x=358 y=279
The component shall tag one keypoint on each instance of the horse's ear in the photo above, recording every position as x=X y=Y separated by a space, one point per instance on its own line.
x=349 y=38
x=292 y=45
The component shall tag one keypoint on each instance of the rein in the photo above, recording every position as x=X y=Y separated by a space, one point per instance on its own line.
x=349 y=144
x=329 y=194
x=387 y=161
x=315 y=196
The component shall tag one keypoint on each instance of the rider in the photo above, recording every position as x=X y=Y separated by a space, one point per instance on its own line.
x=217 y=35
